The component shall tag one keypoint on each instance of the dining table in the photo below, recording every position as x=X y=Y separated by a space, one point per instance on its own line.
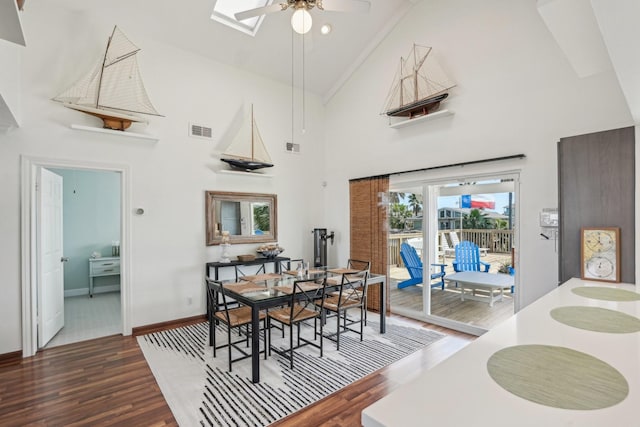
x=264 y=291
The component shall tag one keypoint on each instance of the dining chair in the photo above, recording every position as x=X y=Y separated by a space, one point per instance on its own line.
x=241 y=271
x=306 y=303
x=291 y=265
x=351 y=295
x=232 y=318
x=361 y=267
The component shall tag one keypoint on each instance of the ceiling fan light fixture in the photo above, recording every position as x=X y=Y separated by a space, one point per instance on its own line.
x=301 y=21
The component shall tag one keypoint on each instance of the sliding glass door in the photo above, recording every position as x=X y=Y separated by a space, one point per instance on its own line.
x=429 y=218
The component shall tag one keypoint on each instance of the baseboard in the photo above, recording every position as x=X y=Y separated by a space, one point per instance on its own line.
x=12 y=358
x=171 y=324
x=85 y=291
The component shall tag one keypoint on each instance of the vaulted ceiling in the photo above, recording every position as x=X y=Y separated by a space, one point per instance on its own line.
x=329 y=59
x=592 y=33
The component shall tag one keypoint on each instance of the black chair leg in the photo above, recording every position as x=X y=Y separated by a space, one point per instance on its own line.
x=264 y=336
x=362 y=313
x=321 y=336
x=269 y=328
x=230 y=346
x=365 y=310
x=290 y=344
x=211 y=330
x=213 y=337
x=338 y=332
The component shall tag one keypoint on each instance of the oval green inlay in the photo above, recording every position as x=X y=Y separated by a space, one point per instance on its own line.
x=607 y=294
x=596 y=319
x=558 y=377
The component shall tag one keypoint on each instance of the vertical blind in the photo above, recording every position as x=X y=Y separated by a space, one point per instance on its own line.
x=369 y=221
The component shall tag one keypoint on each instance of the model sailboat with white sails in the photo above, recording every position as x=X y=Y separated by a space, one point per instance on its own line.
x=247 y=151
x=113 y=89
x=419 y=85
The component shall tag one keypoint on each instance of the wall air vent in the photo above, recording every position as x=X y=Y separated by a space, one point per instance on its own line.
x=200 y=131
x=292 y=148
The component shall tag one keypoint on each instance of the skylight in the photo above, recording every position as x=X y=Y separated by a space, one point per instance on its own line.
x=224 y=11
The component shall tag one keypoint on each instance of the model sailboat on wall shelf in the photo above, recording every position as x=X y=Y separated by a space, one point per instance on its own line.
x=419 y=85
x=247 y=151
x=113 y=89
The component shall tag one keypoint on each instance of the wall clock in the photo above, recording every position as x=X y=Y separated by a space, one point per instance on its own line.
x=600 y=254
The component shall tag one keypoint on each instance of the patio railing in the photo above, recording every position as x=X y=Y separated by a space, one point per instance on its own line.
x=497 y=241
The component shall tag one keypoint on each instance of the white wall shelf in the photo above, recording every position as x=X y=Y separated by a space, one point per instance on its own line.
x=256 y=174
x=427 y=117
x=8 y=119
x=10 y=24
x=120 y=133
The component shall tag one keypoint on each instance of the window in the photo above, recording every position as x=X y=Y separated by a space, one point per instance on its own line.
x=224 y=12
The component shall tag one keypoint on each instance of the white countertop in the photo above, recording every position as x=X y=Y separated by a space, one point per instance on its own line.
x=460 y=392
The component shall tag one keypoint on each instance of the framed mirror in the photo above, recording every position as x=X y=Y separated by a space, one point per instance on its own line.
x=248 y=217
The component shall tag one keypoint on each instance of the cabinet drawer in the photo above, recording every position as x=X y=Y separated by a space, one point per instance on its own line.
x=105 y=269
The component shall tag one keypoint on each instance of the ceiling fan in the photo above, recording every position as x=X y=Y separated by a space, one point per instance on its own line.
x=301 y=19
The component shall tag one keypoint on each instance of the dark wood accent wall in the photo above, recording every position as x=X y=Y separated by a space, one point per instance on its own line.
x=368 y=229
x=596 y=188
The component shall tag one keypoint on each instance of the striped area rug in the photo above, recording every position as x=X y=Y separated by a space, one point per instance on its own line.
x=200 y=390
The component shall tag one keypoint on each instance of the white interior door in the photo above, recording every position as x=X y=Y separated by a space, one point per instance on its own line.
x=50 y=257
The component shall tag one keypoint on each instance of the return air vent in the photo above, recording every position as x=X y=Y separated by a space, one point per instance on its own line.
x=292 y=148
x=200 y=131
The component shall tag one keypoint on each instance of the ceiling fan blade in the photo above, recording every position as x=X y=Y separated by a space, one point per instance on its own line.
x=346 y=5
x=251 y=13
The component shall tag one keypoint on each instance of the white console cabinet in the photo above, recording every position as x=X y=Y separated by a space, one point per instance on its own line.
x=107 y=266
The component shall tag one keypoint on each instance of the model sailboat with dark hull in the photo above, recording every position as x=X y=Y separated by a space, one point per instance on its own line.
x=113 y=89
x=419 y=85
x=247 y=151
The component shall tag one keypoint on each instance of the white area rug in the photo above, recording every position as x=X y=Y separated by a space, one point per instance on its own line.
x=200 y=390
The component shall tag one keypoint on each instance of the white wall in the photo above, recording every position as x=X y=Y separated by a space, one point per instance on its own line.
x=10 y=106
x=168 y=177
x=516 y=93
x=91 y=223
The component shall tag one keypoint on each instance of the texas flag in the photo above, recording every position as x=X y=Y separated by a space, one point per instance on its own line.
x=478 y=201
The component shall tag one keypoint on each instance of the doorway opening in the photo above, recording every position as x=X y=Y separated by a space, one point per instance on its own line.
x=428 y=220
x=74 y=252
x=91 y=251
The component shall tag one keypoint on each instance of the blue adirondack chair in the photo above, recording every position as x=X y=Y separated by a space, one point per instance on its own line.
x=414 y=265
x=468 y=258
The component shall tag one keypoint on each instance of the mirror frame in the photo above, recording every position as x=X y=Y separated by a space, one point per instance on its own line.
x=215 y=238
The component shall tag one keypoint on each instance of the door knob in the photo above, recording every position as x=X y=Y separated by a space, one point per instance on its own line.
x=64 y=259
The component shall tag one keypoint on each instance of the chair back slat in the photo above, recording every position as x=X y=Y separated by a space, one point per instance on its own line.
x=467 y=256
x=357 y=264
x=211 y=291
x=411 y=260
x=291 y=264
x=353 y=287
x=240 y=272
x=304 y=298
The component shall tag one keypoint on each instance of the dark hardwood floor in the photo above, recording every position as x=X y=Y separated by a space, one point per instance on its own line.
x=107 y=381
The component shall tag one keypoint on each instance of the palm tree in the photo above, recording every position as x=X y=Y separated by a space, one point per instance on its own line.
x=501 y=224
x=261 y=217
x=398 y=216
x=475 y=220
x=395 y=197
x=415 y=203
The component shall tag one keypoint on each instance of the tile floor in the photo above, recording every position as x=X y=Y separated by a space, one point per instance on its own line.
x=87 y=318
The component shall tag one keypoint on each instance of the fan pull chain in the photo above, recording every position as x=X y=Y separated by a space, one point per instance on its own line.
x=292 y=85
x=304 y=128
